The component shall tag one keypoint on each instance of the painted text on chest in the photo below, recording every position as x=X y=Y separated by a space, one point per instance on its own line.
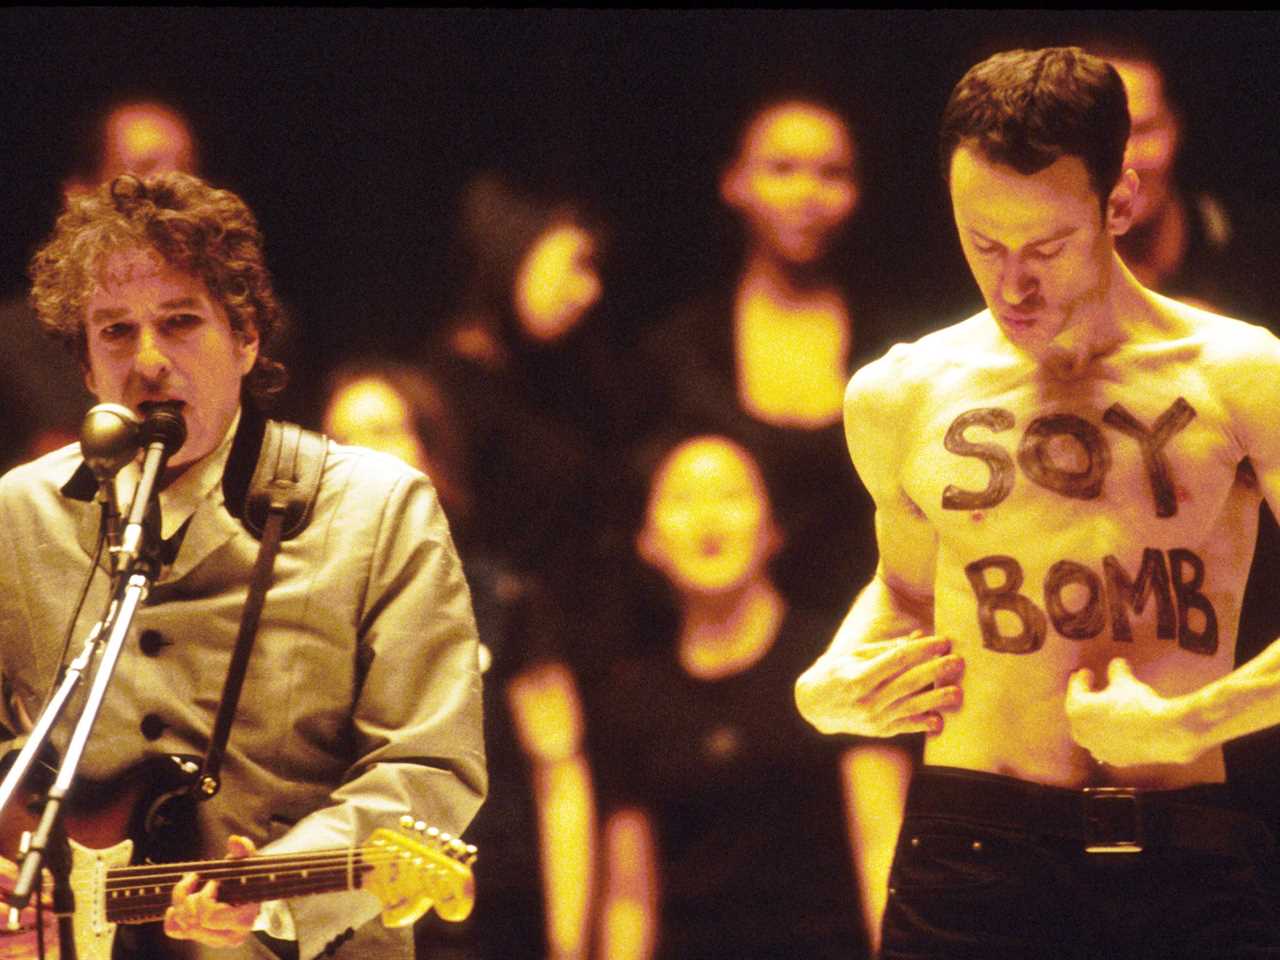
x=1172 y=579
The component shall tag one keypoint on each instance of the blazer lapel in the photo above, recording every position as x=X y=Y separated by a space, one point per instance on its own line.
x=216 y=519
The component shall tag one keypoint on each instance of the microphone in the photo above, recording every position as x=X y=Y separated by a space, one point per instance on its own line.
x=163 y=432
x=109 y=438
x=165 y=426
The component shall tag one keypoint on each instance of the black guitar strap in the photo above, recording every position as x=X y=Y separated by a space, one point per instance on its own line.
x=278 y=507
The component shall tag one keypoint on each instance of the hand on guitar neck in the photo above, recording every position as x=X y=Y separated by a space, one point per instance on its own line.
x=411 y=870
x=197 y=914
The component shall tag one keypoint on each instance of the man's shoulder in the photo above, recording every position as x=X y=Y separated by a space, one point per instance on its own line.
x=367 y=469
x=1222 y=339
x=889 y=401
x=370 y=481
x=917 y=364
x=32 y=498
x=48 y=472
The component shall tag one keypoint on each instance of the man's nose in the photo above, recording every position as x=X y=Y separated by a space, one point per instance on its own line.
x=150 y=362
x=1016 y=281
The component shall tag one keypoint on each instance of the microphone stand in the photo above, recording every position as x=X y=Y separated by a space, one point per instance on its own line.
x=137 y=566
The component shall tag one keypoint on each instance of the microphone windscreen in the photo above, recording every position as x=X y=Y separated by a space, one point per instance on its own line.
x=164 y=422
x=109 y=438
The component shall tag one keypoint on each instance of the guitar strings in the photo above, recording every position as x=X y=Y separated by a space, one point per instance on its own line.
x=272 y=864
x=144 y=906
x=129 y=902
x=148 y=907
x=279 y=863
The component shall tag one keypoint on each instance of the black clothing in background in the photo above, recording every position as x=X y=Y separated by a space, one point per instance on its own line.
x=745 y=797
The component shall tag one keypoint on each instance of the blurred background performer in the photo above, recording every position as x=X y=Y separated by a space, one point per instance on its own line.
x=725 y=834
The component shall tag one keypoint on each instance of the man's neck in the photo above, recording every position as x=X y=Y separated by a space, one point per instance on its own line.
x=179 y=500
x=1115 y=316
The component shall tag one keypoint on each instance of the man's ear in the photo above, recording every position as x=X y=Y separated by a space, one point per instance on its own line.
x=249 y=343
x=1121 y=201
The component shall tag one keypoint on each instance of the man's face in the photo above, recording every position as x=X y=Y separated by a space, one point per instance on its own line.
x=1037 y=245
x=154 y=333
x=1153 y=136
x=794 y=182
x=708 y=527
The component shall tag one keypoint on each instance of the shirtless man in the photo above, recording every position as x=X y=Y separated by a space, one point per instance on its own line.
x=1067 y=489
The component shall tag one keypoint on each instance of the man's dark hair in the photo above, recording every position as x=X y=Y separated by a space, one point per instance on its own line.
x=1028 y=108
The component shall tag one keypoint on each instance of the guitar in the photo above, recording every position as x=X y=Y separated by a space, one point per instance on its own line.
x=410 y=871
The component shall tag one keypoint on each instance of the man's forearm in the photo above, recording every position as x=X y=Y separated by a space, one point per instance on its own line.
x=1128 y=723
x=881 y=612
x=1242 y=702
x=884 y=674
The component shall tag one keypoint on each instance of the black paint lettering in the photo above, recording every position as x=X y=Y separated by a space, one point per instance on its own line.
x=1190 y=598
x=1152 y=442
x=1005 y=597
x=1079 y=624
x=995 y=457
x=1153 y=580
x=1036 y=459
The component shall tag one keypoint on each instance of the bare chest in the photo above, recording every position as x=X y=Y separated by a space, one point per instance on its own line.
x=1087 y=510
x=1154 y=457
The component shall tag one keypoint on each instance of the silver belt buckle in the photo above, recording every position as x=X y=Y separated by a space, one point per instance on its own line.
x=1112 y=820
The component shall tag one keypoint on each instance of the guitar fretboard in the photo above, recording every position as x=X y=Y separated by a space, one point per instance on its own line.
x=141 y=894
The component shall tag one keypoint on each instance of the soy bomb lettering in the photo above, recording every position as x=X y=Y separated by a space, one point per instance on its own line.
x=1171 y=581
x=1036 y=460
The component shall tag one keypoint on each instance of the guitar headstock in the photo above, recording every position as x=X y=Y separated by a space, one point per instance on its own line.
x=416 y=868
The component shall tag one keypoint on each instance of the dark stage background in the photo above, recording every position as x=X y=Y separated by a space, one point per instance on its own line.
x=351 y=132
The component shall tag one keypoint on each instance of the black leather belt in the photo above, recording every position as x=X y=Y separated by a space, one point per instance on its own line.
x=1102 y=820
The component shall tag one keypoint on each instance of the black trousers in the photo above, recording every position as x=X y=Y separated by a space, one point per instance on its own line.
x=996 y=868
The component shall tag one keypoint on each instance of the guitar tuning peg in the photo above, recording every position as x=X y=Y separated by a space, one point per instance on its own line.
x=433 y=833
x=407 y=822
x=420 y=825
x=471 y=854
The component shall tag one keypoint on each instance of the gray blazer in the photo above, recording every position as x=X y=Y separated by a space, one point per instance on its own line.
x=362 y=698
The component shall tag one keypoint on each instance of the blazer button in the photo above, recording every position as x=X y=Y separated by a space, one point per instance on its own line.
x=152 y=642
x=152 y=726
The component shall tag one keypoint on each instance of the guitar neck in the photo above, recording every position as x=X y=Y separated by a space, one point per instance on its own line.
x=141 y=894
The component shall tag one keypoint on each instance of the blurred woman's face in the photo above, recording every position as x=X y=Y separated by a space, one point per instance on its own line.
x=709 y=527
x=793 y=182
x=556 y=282
x=369 y=412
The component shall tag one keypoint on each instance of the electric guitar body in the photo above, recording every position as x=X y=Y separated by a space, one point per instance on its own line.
x=116 y=880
